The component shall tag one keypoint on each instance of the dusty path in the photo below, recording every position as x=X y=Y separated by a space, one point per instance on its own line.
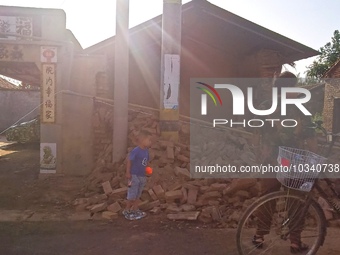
x=147 y=237
x=20 y=189
x=117 y=238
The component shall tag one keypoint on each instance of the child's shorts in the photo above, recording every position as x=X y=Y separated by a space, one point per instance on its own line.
x=136 y=188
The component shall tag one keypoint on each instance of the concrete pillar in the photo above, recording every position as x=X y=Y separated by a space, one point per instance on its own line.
x=121 y=81
x=170 y=69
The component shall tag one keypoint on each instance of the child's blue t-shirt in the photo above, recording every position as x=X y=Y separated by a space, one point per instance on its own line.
x=139 y=160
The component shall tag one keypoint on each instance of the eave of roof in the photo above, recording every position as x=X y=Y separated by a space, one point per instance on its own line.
x=15 y=10
x=71 y=37
x=301 y=51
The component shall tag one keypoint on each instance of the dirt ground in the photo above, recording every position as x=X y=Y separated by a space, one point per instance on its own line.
x=21 y=189
x=150 y=236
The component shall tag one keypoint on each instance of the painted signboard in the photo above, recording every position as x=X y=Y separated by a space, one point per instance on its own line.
x=48 y=89
x=16 y=26
x=48 y=54
x=171 y=81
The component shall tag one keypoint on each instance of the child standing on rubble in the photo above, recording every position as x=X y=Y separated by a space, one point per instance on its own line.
x=137 y=161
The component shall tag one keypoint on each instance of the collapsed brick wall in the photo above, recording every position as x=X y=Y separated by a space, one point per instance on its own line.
x=170 y=188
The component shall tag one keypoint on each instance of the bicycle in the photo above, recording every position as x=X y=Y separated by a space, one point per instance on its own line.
x=293 y=209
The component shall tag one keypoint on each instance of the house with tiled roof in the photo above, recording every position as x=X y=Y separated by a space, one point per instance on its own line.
x=331 y=110
x=214 y=43
x=334 y=71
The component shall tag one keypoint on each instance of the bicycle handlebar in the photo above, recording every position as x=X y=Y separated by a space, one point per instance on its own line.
x=318 y=125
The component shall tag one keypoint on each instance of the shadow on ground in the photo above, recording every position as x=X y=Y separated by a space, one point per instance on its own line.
x=21 y=188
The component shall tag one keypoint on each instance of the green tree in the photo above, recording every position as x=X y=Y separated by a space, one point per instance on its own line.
x=330 y=53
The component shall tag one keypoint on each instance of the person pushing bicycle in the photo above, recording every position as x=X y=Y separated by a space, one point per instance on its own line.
x=268 y=139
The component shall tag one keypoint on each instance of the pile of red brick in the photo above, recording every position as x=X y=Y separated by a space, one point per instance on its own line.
x=170 y=189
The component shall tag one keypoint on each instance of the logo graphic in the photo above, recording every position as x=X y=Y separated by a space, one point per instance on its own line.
x=239 y=99
x=145 y=162
x=204 y=96
x=244 y=104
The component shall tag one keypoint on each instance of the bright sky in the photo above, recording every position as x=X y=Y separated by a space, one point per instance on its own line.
x=311 y=22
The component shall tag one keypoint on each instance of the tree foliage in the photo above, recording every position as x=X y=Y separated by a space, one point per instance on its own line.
x=330 y=53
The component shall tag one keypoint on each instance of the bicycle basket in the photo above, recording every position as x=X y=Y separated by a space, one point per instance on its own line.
x=300 y=168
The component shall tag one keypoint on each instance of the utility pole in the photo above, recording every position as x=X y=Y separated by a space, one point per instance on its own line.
x=121 y=81
x=170 y=69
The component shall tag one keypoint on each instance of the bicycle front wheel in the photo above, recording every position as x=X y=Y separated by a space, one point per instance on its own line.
x=281 y=217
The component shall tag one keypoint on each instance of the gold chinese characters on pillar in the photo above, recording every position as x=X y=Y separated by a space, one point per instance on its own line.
x=48 y=93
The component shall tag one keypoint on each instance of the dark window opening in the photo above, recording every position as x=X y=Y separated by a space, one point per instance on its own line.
x=336 y=116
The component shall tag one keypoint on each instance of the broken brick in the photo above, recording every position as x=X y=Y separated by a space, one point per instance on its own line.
x=107 y=187
x=184 y=195
x=188 y=208
x=152 y=194
x=182 y=172
x=190 y=186
x=115 y=207
x=170 y=152
x=173 y=209
x=98 y=208
x=211 y=194
x=218 y=186
x=183 y=216
x=97 y=198
x=192 y=196
x=155 y=210
x=183 y=158
x=175 y=186
x=109 y=215
x=174 y=194
x=120 y=191
x=159 y=191
x=150 y=205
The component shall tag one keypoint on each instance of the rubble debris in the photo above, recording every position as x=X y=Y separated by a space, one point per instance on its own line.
x=170 y=189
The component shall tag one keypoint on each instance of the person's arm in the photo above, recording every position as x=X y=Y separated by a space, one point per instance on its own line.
x=128 y=168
